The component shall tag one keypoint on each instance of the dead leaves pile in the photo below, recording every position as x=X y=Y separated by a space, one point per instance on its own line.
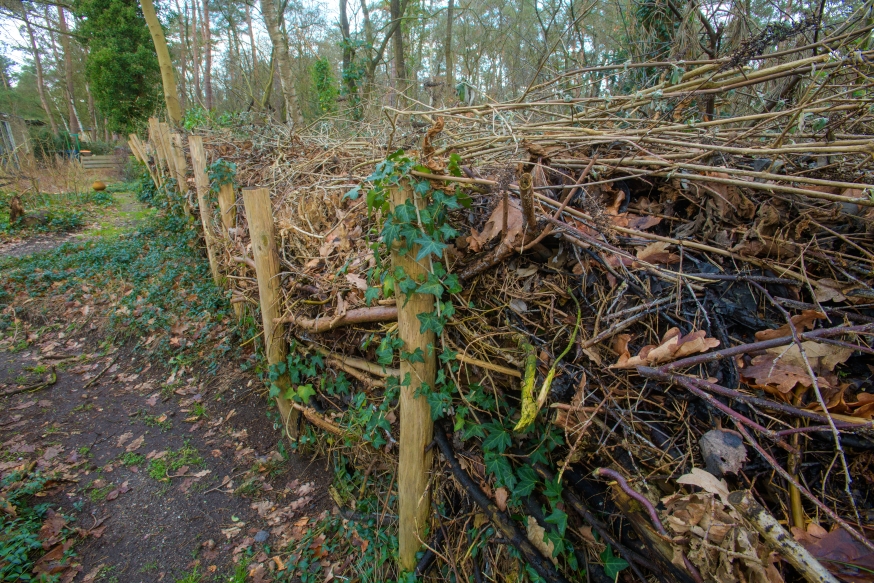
x=673 y=346
x=718 y=542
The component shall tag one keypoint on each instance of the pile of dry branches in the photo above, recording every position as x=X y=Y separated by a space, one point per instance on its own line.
x=704 y=249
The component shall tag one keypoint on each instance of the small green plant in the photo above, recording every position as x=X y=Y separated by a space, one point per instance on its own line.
x=132 y=459
x=162 y=422
x=193 y=577
x=198 y=411
x=187 y=455
x=84 y=451
x=98 y=494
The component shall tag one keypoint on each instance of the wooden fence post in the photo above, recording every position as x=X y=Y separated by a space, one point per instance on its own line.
x=259 y=214
x=178 y=153
x=201 y=180
x=417 y=428
x=157 y=145
x=228 y=208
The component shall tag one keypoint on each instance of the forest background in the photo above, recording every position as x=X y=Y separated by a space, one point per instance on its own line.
x=91 y=65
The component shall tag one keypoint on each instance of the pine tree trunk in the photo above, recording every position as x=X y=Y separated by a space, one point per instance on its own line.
x=183 y=54
x=283 y=60
x=75 y=126
x=168 y=79
x=348 y=53
x=450 y=82
x=399 y=75
x=195 y=48
x=252 y=44
x=92 y=113
x=207 y=54
x=40 y=83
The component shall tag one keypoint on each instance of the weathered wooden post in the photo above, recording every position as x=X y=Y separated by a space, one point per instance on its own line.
x=201 y=181
x=417 y=428
x=228 y=207
x=177 y=151
x=157 y=145
x=259 y=214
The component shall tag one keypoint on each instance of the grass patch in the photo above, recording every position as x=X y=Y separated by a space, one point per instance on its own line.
x=187 y=455
x=132 y=459
x=54 y=212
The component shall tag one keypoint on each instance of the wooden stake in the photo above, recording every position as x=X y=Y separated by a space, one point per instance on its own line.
x=164 y=135
x=259 y=214
x=201 y=181
x=228 y=207
x=177 y=152
x=417 y=428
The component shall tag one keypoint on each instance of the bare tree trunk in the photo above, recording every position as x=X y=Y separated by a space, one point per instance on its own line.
x=207 y=54
x=40 y=84
x=399 y=74
x=283 y=60
x=183 y=54
x=252 y=43
x=450 y=82
x=75 y=126
x=348 y=52
x=92 y=113
x=195 y=47
x=168 y=79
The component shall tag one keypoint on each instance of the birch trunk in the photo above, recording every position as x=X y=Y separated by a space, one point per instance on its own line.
x=283 y=60
x=75 y=125
x=168 y=79
x=207 y=54
x=40 y=83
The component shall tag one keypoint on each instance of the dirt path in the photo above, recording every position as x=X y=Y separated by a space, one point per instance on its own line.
x=125 y=213
x=164 y=469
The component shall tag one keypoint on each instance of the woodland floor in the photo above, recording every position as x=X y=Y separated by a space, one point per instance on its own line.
x=165 y=470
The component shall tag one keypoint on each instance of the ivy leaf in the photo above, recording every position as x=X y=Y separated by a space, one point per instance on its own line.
x=422 y=188
x=405 y=213
x=391 y=231
x=431 y=321
x=304 y=393
x=527 y=481
x=499 y=439
x=413 y=357
x=353 y=194
x=454 y=164
x=473 y=430
x=559 y=519
x=432 y=286
x=499 y=466
x=428 y=246
x=552 y=490
x=452 y=284
x=613 y=565
x=371 y=294
x=448 y=232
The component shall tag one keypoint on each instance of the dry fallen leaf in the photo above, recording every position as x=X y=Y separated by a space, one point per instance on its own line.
x=839 y=552
x=136 y=443
x=493 y=227
x=537 y=534
x=802 y=322
x=658 y=253
x=673 y=346
x=501 y=496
